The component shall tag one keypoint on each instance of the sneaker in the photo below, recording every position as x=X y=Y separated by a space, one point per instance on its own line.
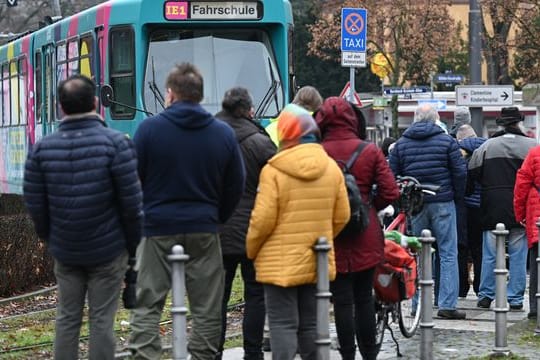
x=516 y=306
x=484 y=303
x=451 y=314
x=531 y=315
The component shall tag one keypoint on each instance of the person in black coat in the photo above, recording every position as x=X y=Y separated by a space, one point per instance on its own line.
x=257 y=148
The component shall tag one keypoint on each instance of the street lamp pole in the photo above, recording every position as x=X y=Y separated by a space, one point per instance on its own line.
x=475 y=60
x=56 y=8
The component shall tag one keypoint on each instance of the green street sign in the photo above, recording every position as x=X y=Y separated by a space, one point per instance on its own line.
x=380 y=102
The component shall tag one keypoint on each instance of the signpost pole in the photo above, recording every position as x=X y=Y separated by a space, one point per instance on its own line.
x=432 y=85
x=475 y=46
x=353 y=88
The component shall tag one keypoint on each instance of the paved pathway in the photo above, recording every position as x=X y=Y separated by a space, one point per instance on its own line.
x=453 y=339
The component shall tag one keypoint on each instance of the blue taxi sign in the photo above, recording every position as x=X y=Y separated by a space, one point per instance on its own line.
x=353 y=29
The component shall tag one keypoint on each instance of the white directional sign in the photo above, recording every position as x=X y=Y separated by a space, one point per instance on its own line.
x=484 y=95
x=353 y=59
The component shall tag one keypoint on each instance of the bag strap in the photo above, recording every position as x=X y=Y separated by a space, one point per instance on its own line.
x=355 y=155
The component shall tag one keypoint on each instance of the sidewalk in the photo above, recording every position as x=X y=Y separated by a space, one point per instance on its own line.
x=454 y=339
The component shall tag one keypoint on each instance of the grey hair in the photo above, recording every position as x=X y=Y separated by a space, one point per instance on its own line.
x=426 y=112
x=465 y=131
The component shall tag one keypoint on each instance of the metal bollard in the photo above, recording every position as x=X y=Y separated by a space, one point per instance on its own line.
x=426 y=288
x=501 y=304
x=178 y=309
x=323 y=300
x=537 y=330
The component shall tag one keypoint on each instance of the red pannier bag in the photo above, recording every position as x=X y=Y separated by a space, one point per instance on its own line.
x=395 y=277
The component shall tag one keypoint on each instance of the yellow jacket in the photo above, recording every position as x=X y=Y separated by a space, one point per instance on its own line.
x=301 y=197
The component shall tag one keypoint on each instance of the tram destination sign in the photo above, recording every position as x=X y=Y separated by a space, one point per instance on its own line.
x=484 y=95
x=212 y=10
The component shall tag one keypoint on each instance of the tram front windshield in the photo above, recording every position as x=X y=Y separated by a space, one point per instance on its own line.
x=225 y=57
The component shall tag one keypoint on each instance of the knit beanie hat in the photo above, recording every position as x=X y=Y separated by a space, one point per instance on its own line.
x=462 y=115
x=295 y=125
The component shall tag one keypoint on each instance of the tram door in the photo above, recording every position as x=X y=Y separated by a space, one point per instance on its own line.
x=49 y=88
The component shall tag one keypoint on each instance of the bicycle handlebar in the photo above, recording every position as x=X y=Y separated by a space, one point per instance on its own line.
x=410 y=181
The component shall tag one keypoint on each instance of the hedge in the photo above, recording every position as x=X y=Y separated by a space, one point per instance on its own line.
x=24 y=261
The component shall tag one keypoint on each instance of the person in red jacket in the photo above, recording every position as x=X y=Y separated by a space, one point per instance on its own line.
x=356 y=255
x=527 y=212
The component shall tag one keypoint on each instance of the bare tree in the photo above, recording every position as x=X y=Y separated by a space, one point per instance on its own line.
x=413 y=35
x=28 y=13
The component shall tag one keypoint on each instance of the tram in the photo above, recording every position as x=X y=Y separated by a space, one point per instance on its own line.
x=128 y=47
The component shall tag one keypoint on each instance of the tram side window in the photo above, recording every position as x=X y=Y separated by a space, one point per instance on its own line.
x=122 y=72
x=4 y=100
x=73 y=57
x=86 y=66
x=14 y=90
x=61 y=72
x=22 y=91
x=38 y=85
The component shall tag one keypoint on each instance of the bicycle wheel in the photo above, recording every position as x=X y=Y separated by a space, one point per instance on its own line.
x=409 y=310
x=381 y=318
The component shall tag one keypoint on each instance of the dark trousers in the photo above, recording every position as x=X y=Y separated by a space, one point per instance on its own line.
x=533 y=280
x=292 y=316
x=474 y=238
x=254 y=309
x=471 y=248
x=354 y=313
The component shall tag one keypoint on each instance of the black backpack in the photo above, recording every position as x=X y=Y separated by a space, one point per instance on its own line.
x=359 y=220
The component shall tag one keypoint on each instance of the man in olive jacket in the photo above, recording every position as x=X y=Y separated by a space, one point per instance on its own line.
x=82 y=191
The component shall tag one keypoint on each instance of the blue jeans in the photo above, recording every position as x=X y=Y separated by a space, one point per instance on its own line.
x=517 y=251
x=440 y=218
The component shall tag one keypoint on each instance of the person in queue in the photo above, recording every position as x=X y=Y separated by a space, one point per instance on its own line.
x=83 y=193
x=307 y=97
x=357 y=255
x=527 y=212
x=428 y=154
x=257 y=148
x=301 y=197
x=494 y=165
x=193 y=176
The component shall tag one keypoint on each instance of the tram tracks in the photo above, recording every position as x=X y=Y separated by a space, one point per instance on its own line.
x=23 y=321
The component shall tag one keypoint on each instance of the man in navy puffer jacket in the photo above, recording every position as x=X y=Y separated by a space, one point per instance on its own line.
x=82 y=191
x=430 y=155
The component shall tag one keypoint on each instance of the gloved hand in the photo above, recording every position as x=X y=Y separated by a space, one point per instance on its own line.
x=129 y=296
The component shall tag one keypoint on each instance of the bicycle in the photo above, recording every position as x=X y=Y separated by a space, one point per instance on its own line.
x=405 y=312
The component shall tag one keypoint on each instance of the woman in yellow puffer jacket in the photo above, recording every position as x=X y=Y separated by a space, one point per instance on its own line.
x=301 y=197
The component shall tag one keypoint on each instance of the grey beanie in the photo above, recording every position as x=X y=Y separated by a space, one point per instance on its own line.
x=462 y=115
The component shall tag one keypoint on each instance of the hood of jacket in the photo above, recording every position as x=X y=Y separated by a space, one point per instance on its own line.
x=423 y=130
x=337 y=120
x=304 y=161
x=187 y=115
x=243 y=127
x=471 y=144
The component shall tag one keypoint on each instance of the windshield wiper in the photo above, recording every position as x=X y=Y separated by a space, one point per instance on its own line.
x=271 y=93
x=265 y=102
x=158 y=96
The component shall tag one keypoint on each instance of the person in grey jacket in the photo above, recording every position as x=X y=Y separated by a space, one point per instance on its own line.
x=257 y=148
x=83 y=193
x=494 y=165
